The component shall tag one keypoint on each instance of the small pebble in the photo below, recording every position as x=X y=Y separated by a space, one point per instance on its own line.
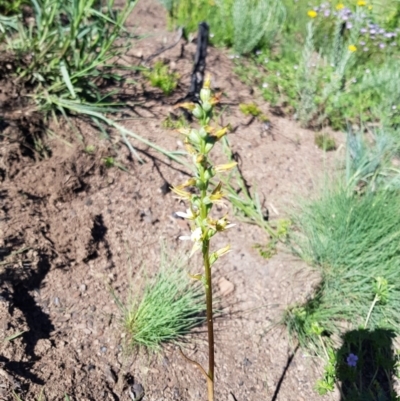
x=246 y=362
x=110 y=375
x=103 y=349
x=57 y=301
x=137 y=392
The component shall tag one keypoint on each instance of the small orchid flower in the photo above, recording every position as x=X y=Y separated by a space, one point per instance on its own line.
x=196 y=237
x=189 y=215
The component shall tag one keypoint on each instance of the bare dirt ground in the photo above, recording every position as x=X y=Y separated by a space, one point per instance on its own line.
x=71 y=229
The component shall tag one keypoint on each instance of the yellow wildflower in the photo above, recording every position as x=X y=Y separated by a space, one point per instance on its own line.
x=369 y=8
x=340 y=6
x=312 y=14
x=361 y=3
x=352 y=48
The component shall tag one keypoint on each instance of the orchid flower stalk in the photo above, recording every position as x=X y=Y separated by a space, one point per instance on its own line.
x=199 y=142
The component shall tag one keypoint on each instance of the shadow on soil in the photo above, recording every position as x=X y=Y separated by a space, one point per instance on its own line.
x=21 y=283
x=366 y=366
x=282 y=378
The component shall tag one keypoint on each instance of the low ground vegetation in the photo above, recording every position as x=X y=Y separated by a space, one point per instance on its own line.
x=329 y=65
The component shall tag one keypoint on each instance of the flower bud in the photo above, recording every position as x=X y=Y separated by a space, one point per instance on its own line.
x=203 y=133
x=194 y=137
x=205 y=94
x=198 y=111
x=207 y=106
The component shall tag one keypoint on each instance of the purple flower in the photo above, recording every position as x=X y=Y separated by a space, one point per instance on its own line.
x=362 y=43
x=381 y=31
x=363 y=30
x=352 y=360
x=349 y=25
x=327 y=13
x=382 y=45
x=372 y=31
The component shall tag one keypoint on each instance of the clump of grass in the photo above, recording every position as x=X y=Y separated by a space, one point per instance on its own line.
x=350 y=235
x=170 y=306
x=65 y=50
x=353 y=241
x=66 y=55
x=161 y=77
x=325 y=142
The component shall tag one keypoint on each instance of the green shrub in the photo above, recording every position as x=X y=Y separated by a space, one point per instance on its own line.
x=241 y=24
x=255 y=21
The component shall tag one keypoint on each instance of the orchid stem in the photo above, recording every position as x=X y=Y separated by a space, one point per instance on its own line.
x=210 y=323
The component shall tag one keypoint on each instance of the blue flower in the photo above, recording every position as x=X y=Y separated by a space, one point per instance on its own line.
x=352 y=360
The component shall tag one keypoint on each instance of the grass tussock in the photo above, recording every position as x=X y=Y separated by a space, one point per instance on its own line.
x=350 y=234
x=171 y=304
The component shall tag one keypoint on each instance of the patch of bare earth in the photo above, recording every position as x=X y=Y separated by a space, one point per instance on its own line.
x=71 y=229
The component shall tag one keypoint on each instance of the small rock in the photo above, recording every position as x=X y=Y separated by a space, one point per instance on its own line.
x=136 y=392
x=103 y=349
x=56 y=301
x=83 y=287
x=225 y=286
x=110 y=375
x=246 y=362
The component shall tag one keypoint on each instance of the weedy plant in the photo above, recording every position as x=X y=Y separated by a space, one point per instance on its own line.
x=325 y=142
x=160 y=77
x=330 y=64
x=199 y=143
x=168 y=309
x=67 y=54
